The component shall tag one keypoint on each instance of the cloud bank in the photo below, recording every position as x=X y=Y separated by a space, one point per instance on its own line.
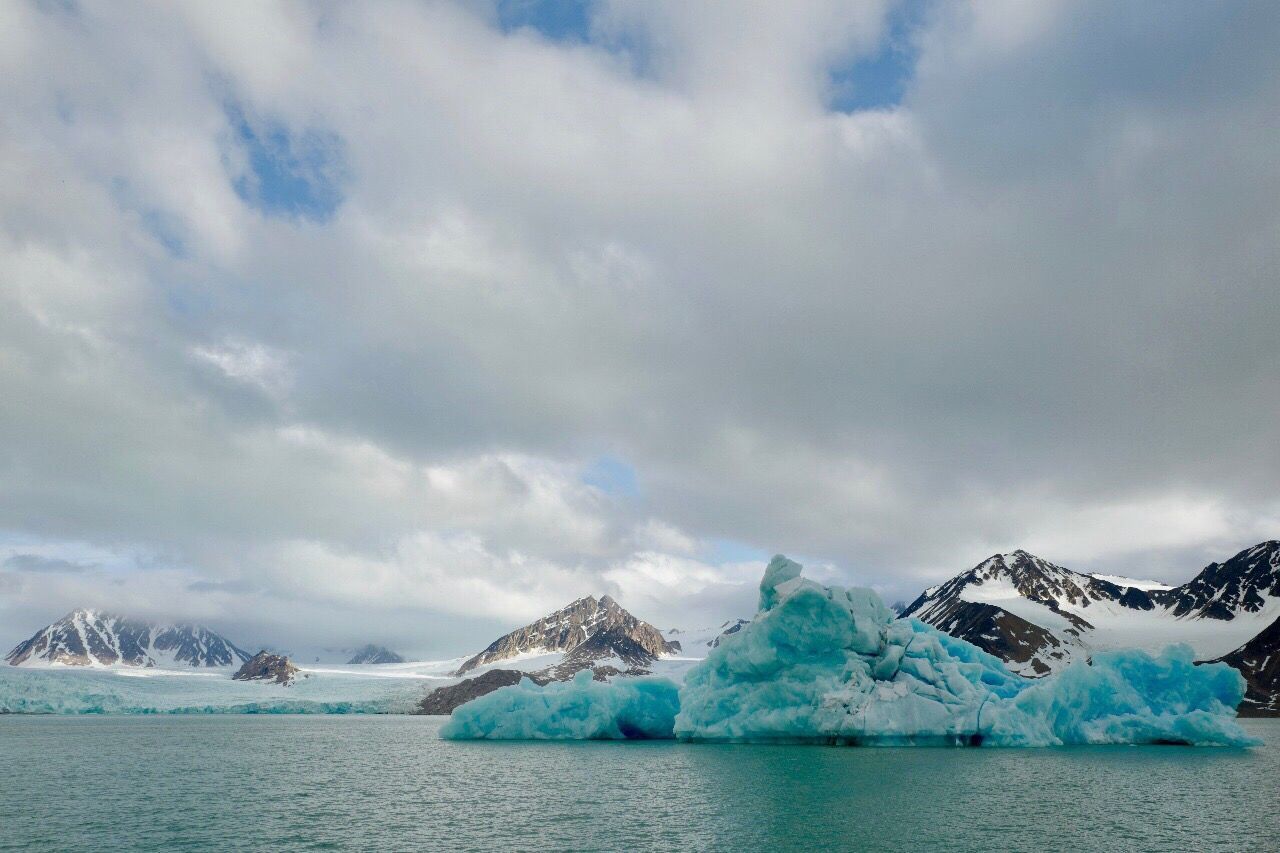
x=409 y=322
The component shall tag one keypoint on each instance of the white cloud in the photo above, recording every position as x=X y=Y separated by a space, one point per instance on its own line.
x=1029 y=306
x=252 y=363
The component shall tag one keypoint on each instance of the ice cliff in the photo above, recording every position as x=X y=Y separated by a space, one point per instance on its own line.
x=832 y=665
x=580 y=709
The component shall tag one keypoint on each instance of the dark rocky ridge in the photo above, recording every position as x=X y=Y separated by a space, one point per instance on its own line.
x=265 y=666
x=1222 y=590
x=1259 y=662
x=85 y=637
x=443 y=700
x=998 y=632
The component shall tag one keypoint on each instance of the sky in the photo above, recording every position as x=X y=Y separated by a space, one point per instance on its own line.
x=330 y=323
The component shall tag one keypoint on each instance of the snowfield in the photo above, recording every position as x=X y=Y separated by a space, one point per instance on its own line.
x=1119 y=627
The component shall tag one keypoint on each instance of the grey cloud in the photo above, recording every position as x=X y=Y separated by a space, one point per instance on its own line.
x=221 y=586
x=1034 y=306
x=39 y=563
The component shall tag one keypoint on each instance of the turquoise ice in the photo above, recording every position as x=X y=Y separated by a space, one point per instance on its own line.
x=90 y=690
x=581 y=709
x=832 y=665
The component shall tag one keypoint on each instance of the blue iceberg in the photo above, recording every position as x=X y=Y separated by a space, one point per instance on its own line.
x=831 y=665
x=581 y=709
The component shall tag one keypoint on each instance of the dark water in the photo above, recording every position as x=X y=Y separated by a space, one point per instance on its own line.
x=387 y=783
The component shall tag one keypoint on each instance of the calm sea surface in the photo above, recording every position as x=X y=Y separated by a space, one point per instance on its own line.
x=387 y=783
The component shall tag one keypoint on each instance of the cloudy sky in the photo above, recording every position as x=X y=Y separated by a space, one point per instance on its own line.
x=409 y=322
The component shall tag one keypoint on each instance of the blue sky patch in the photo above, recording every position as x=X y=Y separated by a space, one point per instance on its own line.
x=293 y=175
x=612 y=476
x=880 y=81
x=557 y=20
x=732 y=551
x=167 y=229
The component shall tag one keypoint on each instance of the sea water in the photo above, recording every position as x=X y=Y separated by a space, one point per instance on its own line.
x=287 y=783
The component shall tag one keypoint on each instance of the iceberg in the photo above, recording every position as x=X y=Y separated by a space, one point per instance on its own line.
x=581 y=709
x=831 y=665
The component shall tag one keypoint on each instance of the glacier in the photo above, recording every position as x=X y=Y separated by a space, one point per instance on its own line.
x=134 y=690
x=831 y=665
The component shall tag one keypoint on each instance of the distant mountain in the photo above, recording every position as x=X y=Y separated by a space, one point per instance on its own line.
x=588 y=633
x=90 y=638
x=595 y=634
x=1038 y=616
x=375 y=654
x=728 y=629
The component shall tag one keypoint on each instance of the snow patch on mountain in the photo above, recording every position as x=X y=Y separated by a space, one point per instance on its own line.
x=1216 y=612
x=91 y=638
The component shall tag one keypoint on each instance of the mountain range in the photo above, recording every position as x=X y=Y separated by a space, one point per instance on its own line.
x=1038 y=616
x=1033 y=614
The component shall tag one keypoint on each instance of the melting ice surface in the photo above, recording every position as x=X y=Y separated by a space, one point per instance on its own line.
x=832 y=665
x=580 y=709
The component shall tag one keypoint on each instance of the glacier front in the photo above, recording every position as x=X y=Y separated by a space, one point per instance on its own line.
x=832 y=665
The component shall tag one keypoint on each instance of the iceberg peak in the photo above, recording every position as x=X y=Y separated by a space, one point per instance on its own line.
x=779 y=572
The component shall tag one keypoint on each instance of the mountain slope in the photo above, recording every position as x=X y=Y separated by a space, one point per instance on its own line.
x=584 y=633
x=1011 y=605
x=1039 y=616
x=1025 y=646
x=89 y=638
x=1244 y=584
x=1259 y=662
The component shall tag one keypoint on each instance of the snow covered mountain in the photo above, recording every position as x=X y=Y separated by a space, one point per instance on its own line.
x=1038 y=616
x=697 y=642
x=375 y=654
x=90 y=638
x=589 y=633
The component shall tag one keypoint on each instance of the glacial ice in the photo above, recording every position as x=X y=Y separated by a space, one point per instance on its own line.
x=75 y=690
x=581 y=709
x=832 y=665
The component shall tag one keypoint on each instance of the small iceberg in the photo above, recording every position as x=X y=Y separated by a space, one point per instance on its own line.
x=832 y=665
x=581 y=709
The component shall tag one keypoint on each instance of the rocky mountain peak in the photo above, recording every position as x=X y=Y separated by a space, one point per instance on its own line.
x=89 y=637
x=587 y=630
x=1223 y=590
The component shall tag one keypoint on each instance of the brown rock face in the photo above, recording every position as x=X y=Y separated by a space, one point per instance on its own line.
x=998 y=632
x=265 y=666
x=589 y=630
x=444 y=699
